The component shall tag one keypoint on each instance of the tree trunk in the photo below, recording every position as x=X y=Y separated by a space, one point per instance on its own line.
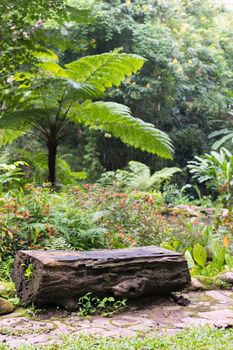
x=61 y=277
x=52 y=153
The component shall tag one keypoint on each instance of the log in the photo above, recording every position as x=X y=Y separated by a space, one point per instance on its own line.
x=61 y=277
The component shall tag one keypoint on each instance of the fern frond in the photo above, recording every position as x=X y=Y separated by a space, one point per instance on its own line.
x=52 y=69
x=105 y=70
x=99 y=72
x=9 y=136
x=76 y=90
x=25 y=119
x=140 y=169
x=45 y=55
x=164 y=173
x=117 y=120
x=141 y=177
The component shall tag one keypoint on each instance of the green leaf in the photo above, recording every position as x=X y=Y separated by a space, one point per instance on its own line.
x=167 y=245
x=104 y=70
x=52 y=69
x=218 y=252
x=96 y=72
x=22 y=120
x=189 y=258
x=229 y=260
x=9 y=136
x=29 y=272
x=224 y=139
x=116 y=119
x=199 y=255
x=46 y=55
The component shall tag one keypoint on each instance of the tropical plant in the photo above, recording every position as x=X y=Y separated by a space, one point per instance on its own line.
x=175 y=195
x=38 y=218
x=37 y=166
x=226 y=136
x=137 y=177
x=182 y=86
x=10 y=173
x=140 y=177
x=108 y=306
x=59 y=96
x=216 y=169
x=220 y=258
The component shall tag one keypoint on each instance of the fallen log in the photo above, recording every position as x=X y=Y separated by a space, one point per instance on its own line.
x=61 y=277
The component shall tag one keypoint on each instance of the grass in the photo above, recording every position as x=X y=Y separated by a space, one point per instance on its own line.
x=203 y=338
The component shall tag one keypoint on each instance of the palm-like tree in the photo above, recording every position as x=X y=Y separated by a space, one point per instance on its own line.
x=57 y=96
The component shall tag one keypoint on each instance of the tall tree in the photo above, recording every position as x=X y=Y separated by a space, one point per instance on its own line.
x=58 y=96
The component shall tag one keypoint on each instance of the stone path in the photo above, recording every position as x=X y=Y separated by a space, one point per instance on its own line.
x=162 y=315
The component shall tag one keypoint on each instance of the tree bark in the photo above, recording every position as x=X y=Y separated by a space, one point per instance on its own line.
x=52 y=154
x=61 y=277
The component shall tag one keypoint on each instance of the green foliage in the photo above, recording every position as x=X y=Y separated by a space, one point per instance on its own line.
x=6 y=268
x=39 y=218
x=91 y=161
x=214 y=255
x=184 y=84
x=58 y=243
x=117 y=120
x=174 y=195
x=93 y=216
x=141 y=178
x=226 y=136
x=216 y=169
x=75 y=85
x=137 y=177
x=36 y=166
x=8 y=292
x=189 y=258
x=101 y=72
x=229 y=260
x=108 y=306
x=199 y=254
x=21 y=23
x=183 y=88
x=83 y=231
x=10 y=174
x=135 y=218
x=28 y=272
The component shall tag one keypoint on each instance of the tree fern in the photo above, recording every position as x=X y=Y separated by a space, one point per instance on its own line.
x=61 y=94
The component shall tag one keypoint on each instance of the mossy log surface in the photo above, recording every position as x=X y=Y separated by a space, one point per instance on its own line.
x=61 y=277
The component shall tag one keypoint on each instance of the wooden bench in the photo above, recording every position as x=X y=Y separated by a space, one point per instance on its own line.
x=61 y=277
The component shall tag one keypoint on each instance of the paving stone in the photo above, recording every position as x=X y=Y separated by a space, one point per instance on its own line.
x=207 y=307
x=220 y=297
x=194 y=321
x=217 y=314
